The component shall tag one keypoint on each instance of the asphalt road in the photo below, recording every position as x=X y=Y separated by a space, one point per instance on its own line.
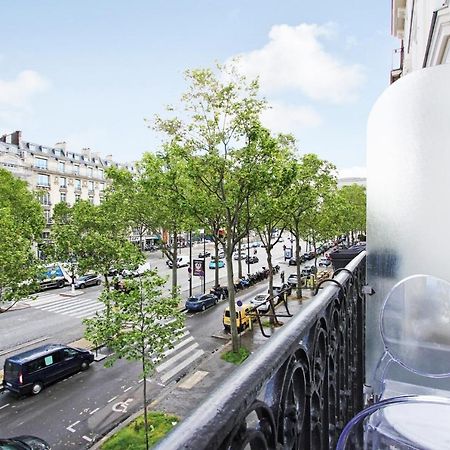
x=75 y=412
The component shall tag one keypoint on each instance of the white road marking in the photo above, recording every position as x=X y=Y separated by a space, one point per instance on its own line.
x=94 y=411
x=67 y=306
x=4 y=406
x=175 y=358
x=127 y=389
x=122 y=407
x=179 y=345
x=87 y=439
x=70 y=427
x=181 y=366
x=111 y=399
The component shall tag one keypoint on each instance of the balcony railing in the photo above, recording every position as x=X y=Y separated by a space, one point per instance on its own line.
x=298 y=390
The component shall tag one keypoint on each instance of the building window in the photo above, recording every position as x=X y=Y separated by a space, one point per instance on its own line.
x=48 y=217
x=45 y=235
x=102 y=186
x=91 y=199
x=76 y=169
x=63 y=197
x=90 y=172
x=43 y=180
x=44 y=198
x=41 y=163
x=77 y=184
x=77 y=197
x=100 y=173
x=62 y=182
x=91 y=185
x=62 y=166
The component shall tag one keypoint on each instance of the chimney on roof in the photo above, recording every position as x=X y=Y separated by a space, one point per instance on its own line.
x=61 y=145
x=86 y=152
x=108 y=157
x=16 y=138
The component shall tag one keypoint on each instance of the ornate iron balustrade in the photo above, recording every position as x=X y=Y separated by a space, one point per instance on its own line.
x=299 y=389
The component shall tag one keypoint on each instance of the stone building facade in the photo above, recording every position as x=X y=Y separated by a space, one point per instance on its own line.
x=58 y=174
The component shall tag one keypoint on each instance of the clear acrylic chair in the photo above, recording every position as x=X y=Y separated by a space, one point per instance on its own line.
x=415 y=330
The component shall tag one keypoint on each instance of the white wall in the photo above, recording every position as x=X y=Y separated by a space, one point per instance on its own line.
x=408 y=188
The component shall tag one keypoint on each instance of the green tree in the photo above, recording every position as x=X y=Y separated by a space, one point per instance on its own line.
x=226 y=150
x=96 y=236
x=21 y=225
x=354 y=198
x=164 y=180
x=271 y=208
x=314 y=180
x=137 y=206
x=142 y=326
x=25 y=210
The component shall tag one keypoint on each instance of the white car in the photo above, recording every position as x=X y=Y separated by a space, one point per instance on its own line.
x=324 y=262
x=261 y=302
x=292 y=280
x=182 y=261
x=237 y=256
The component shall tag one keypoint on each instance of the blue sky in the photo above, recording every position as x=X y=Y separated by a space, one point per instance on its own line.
x=89 y=72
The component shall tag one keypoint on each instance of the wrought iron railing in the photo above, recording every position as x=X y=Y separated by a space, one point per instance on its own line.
x=299 y=389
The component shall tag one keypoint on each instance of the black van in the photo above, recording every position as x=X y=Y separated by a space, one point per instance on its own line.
x=30 y=371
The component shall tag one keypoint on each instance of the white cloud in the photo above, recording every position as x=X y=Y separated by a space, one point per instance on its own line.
x=16 y=94
x=284 y=118
x=353 y=172
x=295 y=59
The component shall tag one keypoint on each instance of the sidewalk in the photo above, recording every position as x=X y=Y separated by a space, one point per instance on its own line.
x=186 y=395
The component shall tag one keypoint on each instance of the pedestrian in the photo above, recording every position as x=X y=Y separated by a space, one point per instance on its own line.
x=282 y=276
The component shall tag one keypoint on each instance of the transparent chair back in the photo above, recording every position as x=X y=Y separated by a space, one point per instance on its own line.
x=411 y=409
x=415 y=329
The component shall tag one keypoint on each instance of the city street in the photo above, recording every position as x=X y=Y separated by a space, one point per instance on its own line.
x=77 y=411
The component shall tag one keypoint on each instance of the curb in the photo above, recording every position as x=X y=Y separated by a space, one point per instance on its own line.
x=97 y=445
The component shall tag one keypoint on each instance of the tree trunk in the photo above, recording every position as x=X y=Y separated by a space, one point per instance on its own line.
x=273 y=319
x=297 y=259
x=174 y=263
x=216 y=269
x=231 y=293
x=145 y=400
x=239 y=260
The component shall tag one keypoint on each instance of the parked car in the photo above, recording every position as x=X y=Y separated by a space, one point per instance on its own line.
x=292 y=280
x=204 y=254
x=24 y=442
x=324 y=262
x=261 y=302
x=283 y=287
x=256 y=244
x=128 y=273
x=221 y=255
x=243 y=317
x=182 y=261
x=90 y=279
x=251 y=259
x=220 y=263
x=113 y=272
x=292 y=262
x=29 y=372
x=201 y=301
x=237 y=256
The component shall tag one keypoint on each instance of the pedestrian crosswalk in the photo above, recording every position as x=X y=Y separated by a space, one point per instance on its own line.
x=178 y=359
x=78 y=307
